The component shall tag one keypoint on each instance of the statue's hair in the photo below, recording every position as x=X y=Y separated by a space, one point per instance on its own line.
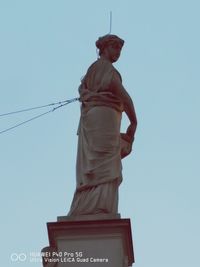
x=105 y=40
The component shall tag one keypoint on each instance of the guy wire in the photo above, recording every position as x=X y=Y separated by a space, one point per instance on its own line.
x=38 y=107
x=62 y=103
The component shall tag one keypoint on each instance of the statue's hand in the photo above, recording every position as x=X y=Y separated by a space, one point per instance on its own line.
x=131 y=132
x=126 y=145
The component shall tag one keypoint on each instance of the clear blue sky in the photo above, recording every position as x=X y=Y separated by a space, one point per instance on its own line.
x=45 y=49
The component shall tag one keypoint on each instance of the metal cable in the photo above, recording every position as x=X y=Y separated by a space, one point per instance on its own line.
x=38 y=107
x=64 y=103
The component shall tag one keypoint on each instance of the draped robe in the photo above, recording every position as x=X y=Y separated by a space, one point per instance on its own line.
x=98 y=167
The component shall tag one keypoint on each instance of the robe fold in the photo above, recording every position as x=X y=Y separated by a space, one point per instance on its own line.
x=98 y=167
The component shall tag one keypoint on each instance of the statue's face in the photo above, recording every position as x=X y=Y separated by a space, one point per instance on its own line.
x=113 y=51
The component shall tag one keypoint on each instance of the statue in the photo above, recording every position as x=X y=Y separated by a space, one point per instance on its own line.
x=101 y=146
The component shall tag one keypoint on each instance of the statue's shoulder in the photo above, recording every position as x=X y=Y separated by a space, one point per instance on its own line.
x=118 y=74
x=99 y=68
x=101 y=64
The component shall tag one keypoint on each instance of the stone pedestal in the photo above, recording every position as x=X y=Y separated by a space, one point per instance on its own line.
x=99 y=243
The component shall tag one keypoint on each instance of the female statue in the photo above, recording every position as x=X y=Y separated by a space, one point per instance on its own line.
x=100 y=144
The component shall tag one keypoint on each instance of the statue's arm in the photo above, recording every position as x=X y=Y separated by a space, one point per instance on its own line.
x=118 y=89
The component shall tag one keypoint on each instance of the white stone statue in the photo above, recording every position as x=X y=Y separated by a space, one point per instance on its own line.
x=101 y=146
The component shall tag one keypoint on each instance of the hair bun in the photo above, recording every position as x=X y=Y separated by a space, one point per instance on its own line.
x=103 y=41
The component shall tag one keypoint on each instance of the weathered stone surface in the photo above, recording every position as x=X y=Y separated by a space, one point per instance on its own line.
x=105 y=243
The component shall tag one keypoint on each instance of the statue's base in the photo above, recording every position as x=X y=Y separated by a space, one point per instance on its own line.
x=99 y=243
x=92 y=217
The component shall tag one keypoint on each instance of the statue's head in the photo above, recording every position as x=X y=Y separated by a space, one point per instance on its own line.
x=110 y=45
